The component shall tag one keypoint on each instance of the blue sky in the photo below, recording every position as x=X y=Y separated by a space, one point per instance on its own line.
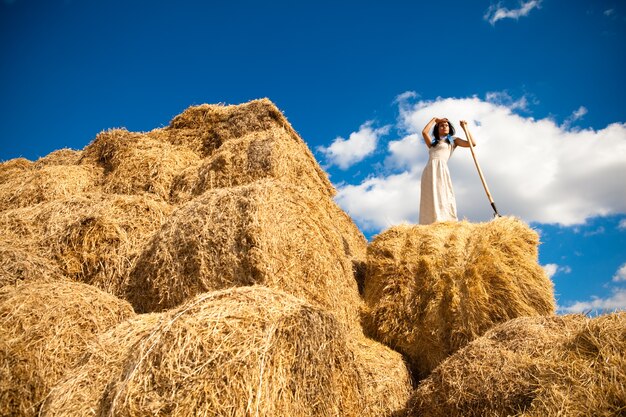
x=541 y=83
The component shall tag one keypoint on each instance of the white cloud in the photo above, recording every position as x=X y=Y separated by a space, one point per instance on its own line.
x=496 y=12
x=576 y=115
x=535 y=169
x=609 y=12
x=378 y=203
x=600 y=230
x=620 y=275
x=622 y=224
x=504 y=99
x=405 y=152
x=617 y=301
x=552 y=269
x=404 y=97
x=347 y=152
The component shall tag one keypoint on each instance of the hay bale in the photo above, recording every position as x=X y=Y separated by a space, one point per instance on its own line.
x=206 y=127
x=432 y=289
x=19 y=263
x=13 y=166
x=65 y=156
x=387 y=381
x=268 y=233
x=263 y=145
x=136 y=163
x=45 y=183
x=27 y=235
x=271 y=153
x=237 y=352
x=533 y=366
x=45 y=329
x=80 y=391
x=100 y=243
x=92 y=238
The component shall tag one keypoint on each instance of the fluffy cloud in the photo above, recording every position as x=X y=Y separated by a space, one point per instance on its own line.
x=622 y=224
x=620 y=275
x=378 y=203
x=535 y=169
x=552 y=269
x=496 y=12
x=504 y=99
x=576 y=115
x=346 y=152
x=617 y=301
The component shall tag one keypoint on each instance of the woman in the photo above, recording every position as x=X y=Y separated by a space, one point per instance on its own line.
x=437 y=202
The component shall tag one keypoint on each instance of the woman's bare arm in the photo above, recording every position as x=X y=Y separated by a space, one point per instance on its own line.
x=465 y=143
x=427 y=128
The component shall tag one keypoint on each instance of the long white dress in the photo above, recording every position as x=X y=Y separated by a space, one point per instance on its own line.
x=437 y=202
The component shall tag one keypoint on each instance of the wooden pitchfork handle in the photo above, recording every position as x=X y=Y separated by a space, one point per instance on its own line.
x=480 y=172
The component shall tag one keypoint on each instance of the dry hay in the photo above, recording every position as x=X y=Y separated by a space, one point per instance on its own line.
x=65 y=156
x=533 y=367
x=101 y=243
x=206 y=127
x=431 y=289
x=79 y=393
x=241 y=144
x=387 y=381
x=237 y=352
x=93 y=238
x=45 y=182
x=271 y=153
x=136 y=163
x=10 y=168
x=45 y=329
x=19 y=264
x=269 y=233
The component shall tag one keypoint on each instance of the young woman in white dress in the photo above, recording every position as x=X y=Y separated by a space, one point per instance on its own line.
x=437 y=202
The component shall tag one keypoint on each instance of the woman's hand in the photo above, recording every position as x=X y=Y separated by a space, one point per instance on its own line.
x=470 y=139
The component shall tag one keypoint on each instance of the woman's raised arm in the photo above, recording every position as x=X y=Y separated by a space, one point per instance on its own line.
x=425 y=134
x=465 y=143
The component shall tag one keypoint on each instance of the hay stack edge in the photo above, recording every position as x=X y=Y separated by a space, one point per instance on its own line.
x=241 y=351
x=45 y=329
x=432 y=289
x=533 y=366
x=204 y=268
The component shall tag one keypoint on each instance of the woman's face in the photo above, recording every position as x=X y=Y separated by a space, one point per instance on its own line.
x=444 y=129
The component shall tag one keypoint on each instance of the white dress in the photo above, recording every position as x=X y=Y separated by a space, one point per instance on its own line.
x=437 y=202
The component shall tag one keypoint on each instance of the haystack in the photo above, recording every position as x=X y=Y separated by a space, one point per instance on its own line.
x=241 y=144
x=20 y=263
x=12 y=167
x=80 y=391
x=136 y=163
x=92 y=238
x=65 y=156
x=387 y=382
x=432 y=289
x=533 y=366
x=206 y=127
x=267 y=232
x=271 y=153
x=44 y=182
x=45 y=329
x=238 y=352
